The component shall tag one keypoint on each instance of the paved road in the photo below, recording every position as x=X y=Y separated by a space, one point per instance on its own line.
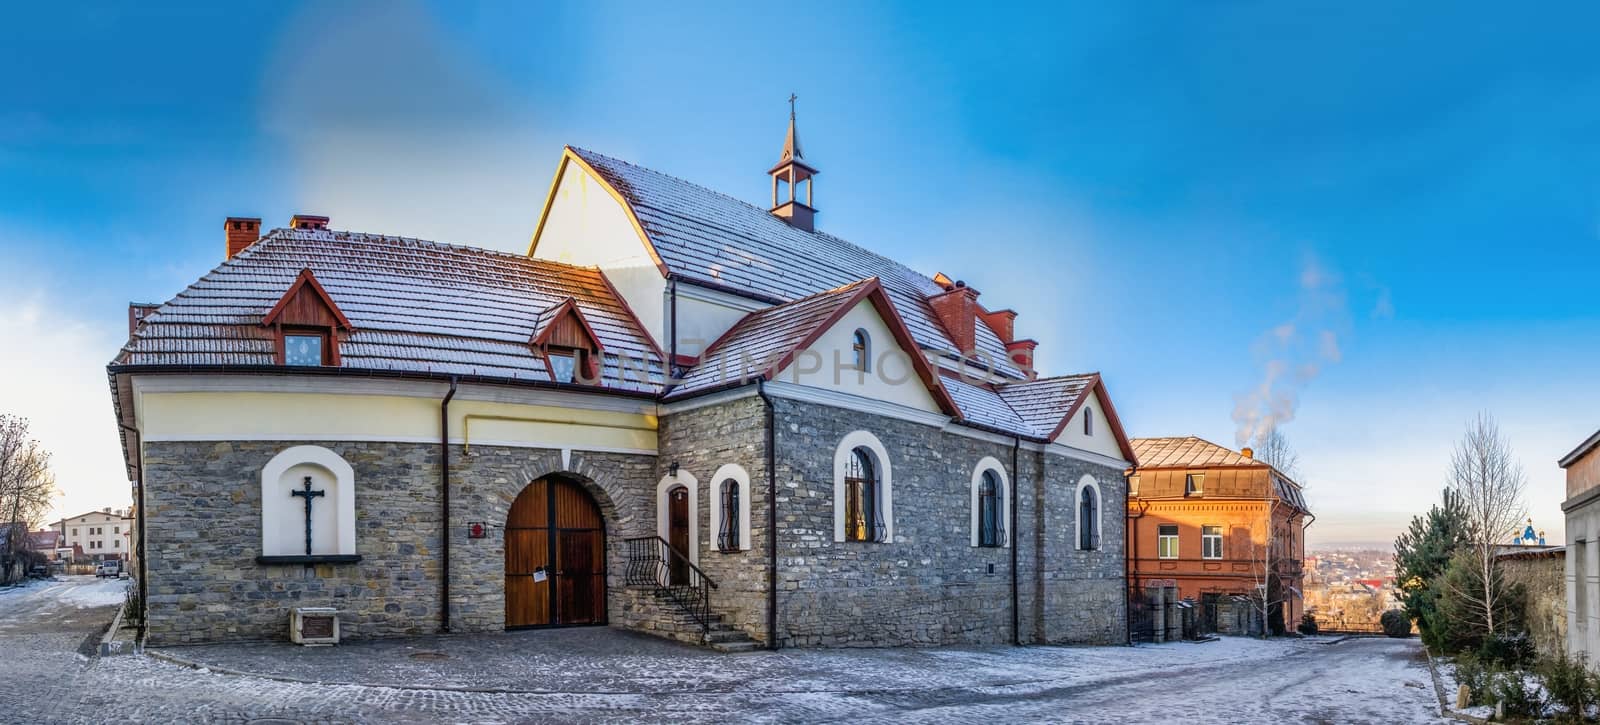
x=46 y=631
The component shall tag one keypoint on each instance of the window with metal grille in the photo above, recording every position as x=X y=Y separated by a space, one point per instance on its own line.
x=1088 y=520
x=1167 y=541
x=1211 y=542
x=991 y=526
x=862 y=519
x=728 y=528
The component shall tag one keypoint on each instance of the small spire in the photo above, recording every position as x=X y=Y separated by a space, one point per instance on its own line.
x=791 y=143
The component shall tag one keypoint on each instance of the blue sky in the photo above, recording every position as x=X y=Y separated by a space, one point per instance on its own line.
x=1372 y=222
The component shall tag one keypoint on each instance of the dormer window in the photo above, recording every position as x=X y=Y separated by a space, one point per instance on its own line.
x=1193 y=484
x=307 y=348
x=307 y=324
x=563 y=339
x=565 y=364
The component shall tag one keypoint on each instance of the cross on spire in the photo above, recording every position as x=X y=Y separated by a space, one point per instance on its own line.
x=791 y=172
x=308 y=494
x=792 y=99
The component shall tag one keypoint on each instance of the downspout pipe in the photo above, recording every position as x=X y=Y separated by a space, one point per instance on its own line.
x=772 y=520
x=444 y=498
x=672 y=336
x=144 y=588
x=1016 y=598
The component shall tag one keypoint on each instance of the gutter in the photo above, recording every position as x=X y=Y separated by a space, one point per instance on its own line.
x=1016 y=599
x=378 y=374
x=444 y=497
x=772 y=522
x=144 y=588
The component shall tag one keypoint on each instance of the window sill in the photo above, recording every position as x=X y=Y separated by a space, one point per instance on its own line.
x=312 y=559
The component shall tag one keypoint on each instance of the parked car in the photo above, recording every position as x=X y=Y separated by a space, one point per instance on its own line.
x=110 y=567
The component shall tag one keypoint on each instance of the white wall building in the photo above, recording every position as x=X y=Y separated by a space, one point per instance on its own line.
x=102 y=534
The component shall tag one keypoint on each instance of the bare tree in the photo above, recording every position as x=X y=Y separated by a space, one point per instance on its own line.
x=1490 y=483
x=26 y=484
x=1266 y=557
x=1273 y=448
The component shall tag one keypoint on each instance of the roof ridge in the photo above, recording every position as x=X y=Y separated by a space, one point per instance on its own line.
x=1051 y=378
x=350 y=235
x=813 y=296
x=737 y=200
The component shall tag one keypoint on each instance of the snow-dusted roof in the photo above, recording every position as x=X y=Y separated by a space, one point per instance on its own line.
x=416 y=306
x=704 y=236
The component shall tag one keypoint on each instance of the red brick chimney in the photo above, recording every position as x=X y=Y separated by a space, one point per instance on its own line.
x=957 y=310
x=308 y=221
x=137 y=311
x=242 y=232
x=1021 y=354
x=1003 y=322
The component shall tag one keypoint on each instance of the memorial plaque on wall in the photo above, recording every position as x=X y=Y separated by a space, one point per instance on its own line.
x=316 y=627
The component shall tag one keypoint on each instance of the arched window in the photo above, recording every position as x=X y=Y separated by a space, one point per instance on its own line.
x=862 y=518
x=1088 y=514
x=863 y=490
x=1088 y=421
x=991 y=526
x=730 y=508
x=728 y=525
x=861 y=351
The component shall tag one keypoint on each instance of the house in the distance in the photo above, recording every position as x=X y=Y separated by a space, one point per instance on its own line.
x=1222 y=528
x=99 y=535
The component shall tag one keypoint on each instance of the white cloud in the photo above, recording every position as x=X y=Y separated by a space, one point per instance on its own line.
x=56 y=378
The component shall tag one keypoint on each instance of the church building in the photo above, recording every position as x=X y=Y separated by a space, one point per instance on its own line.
x=677 y=413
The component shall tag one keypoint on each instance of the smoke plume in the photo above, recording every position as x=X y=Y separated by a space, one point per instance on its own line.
x=1292 y=354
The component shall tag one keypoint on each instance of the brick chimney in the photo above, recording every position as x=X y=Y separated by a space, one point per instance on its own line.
x=308 y=221
x=957 y=310
x=1247 y=453
x=1021 y=354
x=242 y=232
x=1003 y=322
x=137 y=311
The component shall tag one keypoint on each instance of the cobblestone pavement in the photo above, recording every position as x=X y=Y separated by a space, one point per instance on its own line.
x=600 y=675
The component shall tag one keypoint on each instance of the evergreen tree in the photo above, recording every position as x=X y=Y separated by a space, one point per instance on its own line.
x=1421 y=556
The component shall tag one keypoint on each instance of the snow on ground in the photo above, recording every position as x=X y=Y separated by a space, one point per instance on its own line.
x=100 y=593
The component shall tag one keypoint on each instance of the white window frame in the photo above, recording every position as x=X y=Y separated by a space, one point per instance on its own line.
x=740 y=476
x=344 y=497
x=1205 y=541
x=1077 y=513
x=1199 y=480
x=990 y=463
x=1177 y=541
x=841 y=459
x=664 y=510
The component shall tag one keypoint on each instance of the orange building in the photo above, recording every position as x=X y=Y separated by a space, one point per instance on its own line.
x=1221 y=528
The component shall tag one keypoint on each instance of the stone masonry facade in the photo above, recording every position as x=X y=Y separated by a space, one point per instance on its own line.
x=929 y=586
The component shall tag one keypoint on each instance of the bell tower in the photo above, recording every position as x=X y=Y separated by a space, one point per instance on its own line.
x=791 y=172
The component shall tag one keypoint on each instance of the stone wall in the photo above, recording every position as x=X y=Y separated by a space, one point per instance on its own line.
x=203 y=529
x=701 y=441
x=930 y=585
x=1546 y=610
x=203 y=519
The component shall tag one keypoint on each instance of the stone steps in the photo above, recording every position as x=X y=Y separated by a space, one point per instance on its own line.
x=718 y=635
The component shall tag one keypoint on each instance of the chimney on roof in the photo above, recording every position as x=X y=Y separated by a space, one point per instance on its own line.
x=1021 y=354
x=1003 y=322
x=242 y=232
x=790 y=172
x=957 y=310
x=1247 y=453
x=137 y=312
x=308 y=221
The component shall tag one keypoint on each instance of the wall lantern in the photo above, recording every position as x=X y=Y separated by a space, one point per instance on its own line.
x=477 y=530
x=672 y=469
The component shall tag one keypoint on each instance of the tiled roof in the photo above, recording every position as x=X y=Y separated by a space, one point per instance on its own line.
x=984 y=407
x=1043 y=403
x=416 y=306
x=704 y=236
x=1186 y=452
x=762 y=341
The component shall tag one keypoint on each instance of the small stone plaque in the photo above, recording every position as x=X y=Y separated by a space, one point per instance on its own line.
x=316 y=626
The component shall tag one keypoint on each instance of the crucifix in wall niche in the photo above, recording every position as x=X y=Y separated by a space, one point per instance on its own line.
x=308 y=494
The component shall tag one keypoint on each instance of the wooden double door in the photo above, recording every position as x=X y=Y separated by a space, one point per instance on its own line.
x=555 y=557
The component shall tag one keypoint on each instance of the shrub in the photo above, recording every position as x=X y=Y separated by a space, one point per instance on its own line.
x=1396 y=623
x=1476 y=676
x=1520 y=699
x=1308 y=624
x=1508 y=651
x=1570 y=685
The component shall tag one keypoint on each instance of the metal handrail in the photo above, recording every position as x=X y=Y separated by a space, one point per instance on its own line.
x=651 y=562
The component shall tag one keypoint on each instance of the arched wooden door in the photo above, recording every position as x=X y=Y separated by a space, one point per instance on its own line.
x=678 y=533
x=555 y=557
